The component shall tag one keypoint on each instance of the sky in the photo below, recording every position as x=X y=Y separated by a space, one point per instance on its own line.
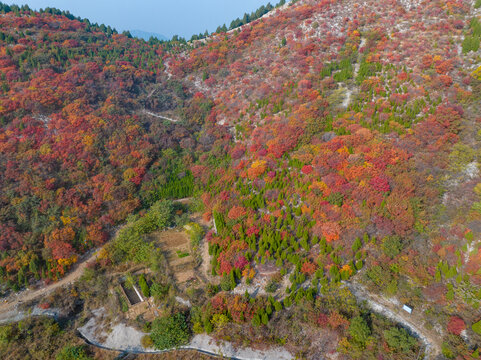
x=166 y=17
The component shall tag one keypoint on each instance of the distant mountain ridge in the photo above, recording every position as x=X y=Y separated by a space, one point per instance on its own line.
x=147 y=35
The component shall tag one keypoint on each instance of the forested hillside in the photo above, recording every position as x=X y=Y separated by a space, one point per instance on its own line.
x=78 y=153
x=331 y=142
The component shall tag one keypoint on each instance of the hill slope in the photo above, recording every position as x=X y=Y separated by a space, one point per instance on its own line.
x=329 y=141
x=76 y=143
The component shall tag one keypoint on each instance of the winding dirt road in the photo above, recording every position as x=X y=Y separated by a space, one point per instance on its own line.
x=378 y=304
x=413 y=322
x=11 y=302
x=27 y=295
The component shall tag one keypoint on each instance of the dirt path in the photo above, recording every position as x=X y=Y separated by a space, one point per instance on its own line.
x=10 y=303
x=351 y=90
x=186 y=200
x=159 y=116
x=28 y=295
x=205 y=265
x=413 y=322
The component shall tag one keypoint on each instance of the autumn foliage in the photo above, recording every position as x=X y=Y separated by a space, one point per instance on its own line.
x=456 y=325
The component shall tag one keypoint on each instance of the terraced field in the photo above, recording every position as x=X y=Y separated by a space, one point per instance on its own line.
x=176 y=247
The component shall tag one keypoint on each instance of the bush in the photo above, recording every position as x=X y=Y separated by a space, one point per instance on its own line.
x=450 y=296
x=380 y=276
x=356 y=245
x=208 y=325
x=265 y=318
x=6 y=334
x=170 y=331
x=392 y=246
x=147 y=326
x=399 y=339
x=334 y=272
x=158 y=290
x=197 y=327
x=477 y=327
x=195 y=232
x=272 y=286
x=219 y=321
x=72 y=353
x=460 y=157
x=144 y=287
x=124 y=307
x=256 y=320
x=336 y=199
x=225 y=283
x=447 y=351
x=359 y=330
x=147 y=342
x=470 y=43
x=212 y=289
x=129 y=244
x=456 y=325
